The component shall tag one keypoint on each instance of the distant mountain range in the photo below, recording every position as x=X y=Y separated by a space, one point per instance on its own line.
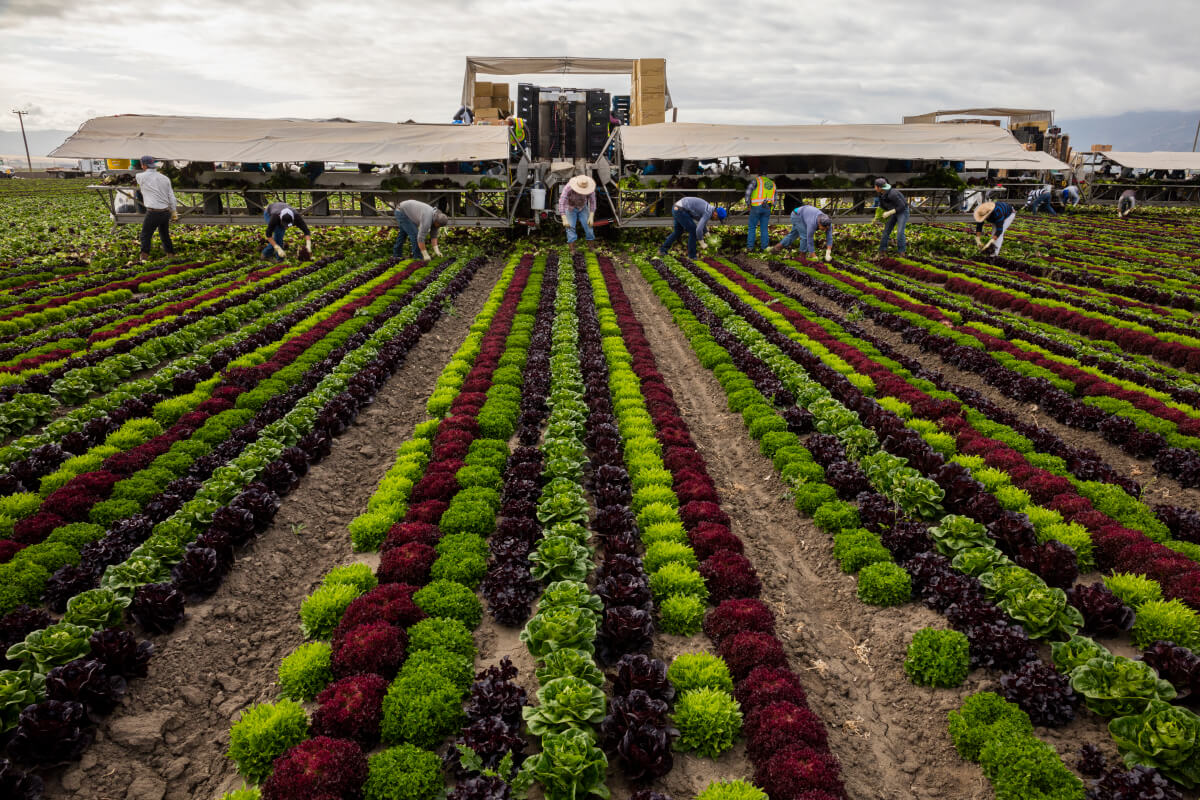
x=1134 y=130
x=1138 y=131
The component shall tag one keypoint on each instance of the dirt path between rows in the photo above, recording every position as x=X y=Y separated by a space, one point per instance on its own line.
x=889 y=734
x=1156 y=488
x=168 y=740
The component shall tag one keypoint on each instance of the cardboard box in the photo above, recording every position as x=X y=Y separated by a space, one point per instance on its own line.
x=502 y=103
x=499 y=90
x=487 y=113
x=649 y=108
x=650 y=75
x=483 y=101
x=1102 y=148
x=483 y=88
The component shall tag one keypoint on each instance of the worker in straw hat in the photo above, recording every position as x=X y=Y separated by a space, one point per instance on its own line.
x=692 y=215
x=1000 y=216
x=577 y=206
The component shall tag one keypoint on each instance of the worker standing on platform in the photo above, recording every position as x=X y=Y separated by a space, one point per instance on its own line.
x=1000 y=216
x=692 y=215
x=1039 y=200
x=280 y=216
x=760 y=195
x=895 y=215
x=806 y=222
x=577 y=205
x=418 y=221
x=159 y=199
x=516 y=134
x=1126 y=203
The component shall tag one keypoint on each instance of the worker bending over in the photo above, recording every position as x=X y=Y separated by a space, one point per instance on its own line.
x=159 y=199
x=577 y=205
x=1125 y=204
x=280 y=216
x=895 y=215
x=1040 y=199
x=691 y=217
x=1000 y=216
x=806 y=221
x=1070 y=196
x=760 y=195
x=417 y=222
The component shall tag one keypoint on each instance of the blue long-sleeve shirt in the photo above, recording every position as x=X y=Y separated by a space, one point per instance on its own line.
x=996 y=218
x=805 y=221
x=700 y=210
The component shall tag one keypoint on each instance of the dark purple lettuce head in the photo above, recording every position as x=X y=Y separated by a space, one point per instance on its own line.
x=645 y=751
x=235 y=522
x=17 y=784
x=1053 y=561
x=999 y=645
x=481 y=787
x=16 y=625
x=85 y=680
x=260 y=501
x=1091 y=761
x=1042 y=692
x=51 y=732
x=629 y=711
x=66 y=582
x=647 y=794
x=494 y=694
x=492 y=739
x=200 y=572
x=1178 y=665
x=157 y=607
x=1139 y=783
x=121 y=653
x=624 y=629
x=638 y=671
x=1103 y=612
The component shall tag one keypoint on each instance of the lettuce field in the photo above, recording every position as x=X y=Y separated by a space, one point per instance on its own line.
x=517 y=522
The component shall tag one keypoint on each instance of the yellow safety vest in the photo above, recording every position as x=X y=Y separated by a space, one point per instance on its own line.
x=764 y=191
x=516 y=134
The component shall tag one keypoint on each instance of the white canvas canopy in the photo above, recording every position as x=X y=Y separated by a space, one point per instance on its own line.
x=1154 y=160
x=533 y=66
x=270 y=140
x=936 y=142
x=1037 y=161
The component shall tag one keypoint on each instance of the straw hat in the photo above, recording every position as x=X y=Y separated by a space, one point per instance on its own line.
x=582 y=184
x=982 y=210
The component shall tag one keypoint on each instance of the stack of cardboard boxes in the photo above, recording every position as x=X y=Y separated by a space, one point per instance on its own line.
x=649 y=91
x=491 y=101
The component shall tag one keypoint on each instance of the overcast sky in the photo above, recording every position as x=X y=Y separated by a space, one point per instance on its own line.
x=756 y=62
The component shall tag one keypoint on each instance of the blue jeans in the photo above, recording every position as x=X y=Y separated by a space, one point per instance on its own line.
x=577 y=217
x=897 y=221
x=268 y=252
x=1043 y=204
x=795 y=234
x=683 y=224
x=408 y=230
x=760 y=217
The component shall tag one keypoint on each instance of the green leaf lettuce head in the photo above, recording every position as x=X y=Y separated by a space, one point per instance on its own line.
x=569 y=767
x=1163 y=736
x=559 y=629
x=50 y=647
x=1119 y=687
x=709 y=721
x=18 y=688
x=1043 y=611
x=565 y=703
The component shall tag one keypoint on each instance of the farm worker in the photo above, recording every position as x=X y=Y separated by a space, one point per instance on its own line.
x=760 y=194
x=516 y=133
x=280 y=216
x=418 y=221
x=691 y=217
x=1070 y=196
x=1125 y=204
x=577 y=205
x=1039 y=199
x=1000 y=215
x=463 y=116
x=806 y=221
x=895 y=215
x=159 y=199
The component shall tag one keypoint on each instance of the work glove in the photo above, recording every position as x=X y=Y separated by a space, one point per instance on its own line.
x=703 y=245
x=279 y=251
x=437 y=251
x=828 y=254
x=591 y=218
x=566 y=222
x=424 y=254
x=174 y=216
x=978 y=243
x=889 y=212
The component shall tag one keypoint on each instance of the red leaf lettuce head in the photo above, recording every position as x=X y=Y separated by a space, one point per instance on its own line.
x=795 y=769
x=372 y=647
x=351 y=708
x=322 y=765
x=745 y=651
x=730 y=575
x=765 y=685
x=736 y=615
x=772 y=727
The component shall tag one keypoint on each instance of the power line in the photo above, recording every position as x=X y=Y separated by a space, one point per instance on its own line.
x=21 y=117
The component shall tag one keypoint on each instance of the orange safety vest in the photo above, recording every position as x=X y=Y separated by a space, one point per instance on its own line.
x=764 y=191
x=516 y=134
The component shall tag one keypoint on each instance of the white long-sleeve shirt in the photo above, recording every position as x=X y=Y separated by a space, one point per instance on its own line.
x=157 y=193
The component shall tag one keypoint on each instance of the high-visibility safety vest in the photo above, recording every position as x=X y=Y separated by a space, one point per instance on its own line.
x=764 y=191
x=516 y=134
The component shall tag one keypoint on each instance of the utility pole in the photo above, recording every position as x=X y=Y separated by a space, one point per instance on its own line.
x=28 y=160
x=1196 y=137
